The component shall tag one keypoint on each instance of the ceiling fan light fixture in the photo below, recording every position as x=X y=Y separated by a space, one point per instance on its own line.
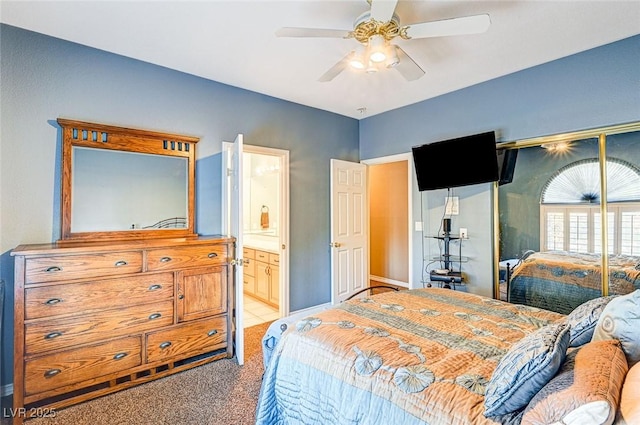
x=392 y=56
x=377 y=48
x=357 y=60
x=374 y=31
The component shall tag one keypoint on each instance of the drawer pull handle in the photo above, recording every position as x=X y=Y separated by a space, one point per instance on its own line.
x=181 y=297
x=52 y=335
x=155 y=287
x=53 y=301
x=155 y=316
x=120 y=263
x=165 y=344
x=213 y=255
x=212 y=332
x=119 y=356
x=165 y=259
x=53 y=269
x=51 y=373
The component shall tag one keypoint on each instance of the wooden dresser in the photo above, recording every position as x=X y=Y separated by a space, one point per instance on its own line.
x=92 y=318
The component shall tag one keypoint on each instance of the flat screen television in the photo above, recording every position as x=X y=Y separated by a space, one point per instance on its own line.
x=456 y=162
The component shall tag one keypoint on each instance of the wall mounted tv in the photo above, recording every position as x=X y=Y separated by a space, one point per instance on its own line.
x=456 y=162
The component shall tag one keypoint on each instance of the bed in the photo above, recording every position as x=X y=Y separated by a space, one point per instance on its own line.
x=383 y=359
x=561 y=280
x=438 y=356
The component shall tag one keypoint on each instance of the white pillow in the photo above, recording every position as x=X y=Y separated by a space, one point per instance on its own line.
x=594 y=413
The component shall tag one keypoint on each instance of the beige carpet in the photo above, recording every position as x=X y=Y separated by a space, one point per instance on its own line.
x=217 y=393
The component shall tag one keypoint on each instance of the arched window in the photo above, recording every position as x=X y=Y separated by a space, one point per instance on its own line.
x=570 y=208
x=579 y=182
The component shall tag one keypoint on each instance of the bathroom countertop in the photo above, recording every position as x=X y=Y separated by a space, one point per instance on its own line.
x=266 y=243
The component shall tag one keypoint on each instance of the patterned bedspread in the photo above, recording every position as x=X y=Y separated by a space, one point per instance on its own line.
x=560 y=280
x=421 y=356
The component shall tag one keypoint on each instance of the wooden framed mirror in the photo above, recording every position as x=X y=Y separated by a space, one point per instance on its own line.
x=122 y=184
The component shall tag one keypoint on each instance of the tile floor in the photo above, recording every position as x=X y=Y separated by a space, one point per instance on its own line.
x=256 y=312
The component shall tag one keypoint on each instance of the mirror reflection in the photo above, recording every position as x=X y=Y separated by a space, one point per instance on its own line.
x=550 y=225
x=261 y=197
x=116 y=190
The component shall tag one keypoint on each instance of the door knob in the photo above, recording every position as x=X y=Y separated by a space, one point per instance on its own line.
x=335 y=244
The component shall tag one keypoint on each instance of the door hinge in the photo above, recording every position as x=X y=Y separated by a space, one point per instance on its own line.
x=237 y=262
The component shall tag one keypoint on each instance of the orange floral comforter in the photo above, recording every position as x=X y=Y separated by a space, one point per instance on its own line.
x=408 y=357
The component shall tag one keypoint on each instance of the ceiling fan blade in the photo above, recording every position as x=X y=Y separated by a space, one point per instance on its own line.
x=456 y=26
x=382 y=10
x=311 y=32
x=407 y=67
x=335 y=69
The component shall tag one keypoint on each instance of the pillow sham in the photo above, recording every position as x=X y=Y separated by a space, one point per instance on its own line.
x=586 y=390
x=583 y=320
x=528 y=365
x=620 y=320
x=629 y=412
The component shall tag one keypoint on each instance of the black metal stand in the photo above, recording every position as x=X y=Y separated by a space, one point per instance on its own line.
x=450 y=277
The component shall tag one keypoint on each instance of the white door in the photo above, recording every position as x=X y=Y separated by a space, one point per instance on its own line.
x=349 y=250
x=232 y=226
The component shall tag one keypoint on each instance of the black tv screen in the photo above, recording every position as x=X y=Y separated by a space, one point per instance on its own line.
x=456 y=162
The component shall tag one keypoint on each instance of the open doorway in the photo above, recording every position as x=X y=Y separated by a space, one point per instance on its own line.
x=390 y=200
x=265 y=218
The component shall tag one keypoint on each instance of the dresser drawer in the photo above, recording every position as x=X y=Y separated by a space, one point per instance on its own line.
x=52 y=334
x=45 y=301
x=81 y=364
x=178 y=258
x=188 y=339
x=67 y=267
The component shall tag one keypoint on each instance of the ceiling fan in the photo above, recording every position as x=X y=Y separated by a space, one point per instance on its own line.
x=376 y=28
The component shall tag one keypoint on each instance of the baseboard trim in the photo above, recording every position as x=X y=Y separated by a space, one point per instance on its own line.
x=6 y=390
x=309 y=311
x=388 y=281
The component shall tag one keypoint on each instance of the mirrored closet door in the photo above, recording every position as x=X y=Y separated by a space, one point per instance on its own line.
x=570 y=196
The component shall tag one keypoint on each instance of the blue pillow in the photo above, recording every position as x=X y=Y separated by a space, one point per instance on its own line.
x=620 y=320
x=527 y=367
x=583 y=320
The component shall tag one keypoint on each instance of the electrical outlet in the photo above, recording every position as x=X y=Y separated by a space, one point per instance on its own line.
x=463 y=233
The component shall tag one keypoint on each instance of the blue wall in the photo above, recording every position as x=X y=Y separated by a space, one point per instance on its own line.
x=591 y=89
x=43 y=78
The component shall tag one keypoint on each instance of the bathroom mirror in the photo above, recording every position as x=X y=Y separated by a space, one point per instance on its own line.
x=120 y=183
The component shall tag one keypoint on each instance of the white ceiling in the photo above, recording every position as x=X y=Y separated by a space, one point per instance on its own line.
x=233 y=42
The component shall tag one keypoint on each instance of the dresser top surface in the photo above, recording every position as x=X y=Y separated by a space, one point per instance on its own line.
x=84 y=247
